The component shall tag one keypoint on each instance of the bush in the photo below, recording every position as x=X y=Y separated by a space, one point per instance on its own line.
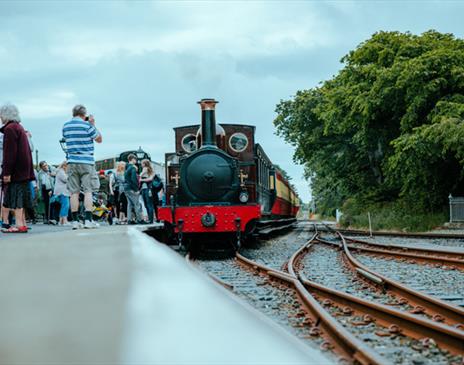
x=397 y=216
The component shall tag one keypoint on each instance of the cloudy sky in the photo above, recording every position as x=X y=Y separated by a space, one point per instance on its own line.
x=141 y=66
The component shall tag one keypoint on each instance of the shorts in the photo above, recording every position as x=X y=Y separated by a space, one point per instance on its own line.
x=80 y=177
x=17 y=196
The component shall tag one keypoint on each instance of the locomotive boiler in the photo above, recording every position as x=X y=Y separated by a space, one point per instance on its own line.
x=221 y=184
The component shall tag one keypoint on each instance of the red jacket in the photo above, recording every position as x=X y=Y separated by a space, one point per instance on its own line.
x=17 y=155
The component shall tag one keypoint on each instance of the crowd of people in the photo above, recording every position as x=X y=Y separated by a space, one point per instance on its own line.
x=72 y=193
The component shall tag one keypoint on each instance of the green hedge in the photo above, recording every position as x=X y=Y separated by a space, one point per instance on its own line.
x=397 y=216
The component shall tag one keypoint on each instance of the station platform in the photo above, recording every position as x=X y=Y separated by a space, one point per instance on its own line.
x=116 y=296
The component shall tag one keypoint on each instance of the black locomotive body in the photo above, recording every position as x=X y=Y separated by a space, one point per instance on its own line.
x=220 y=181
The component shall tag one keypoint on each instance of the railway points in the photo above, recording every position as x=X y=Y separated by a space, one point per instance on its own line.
x=421 y=302
x=352 y=312
x=114 y=295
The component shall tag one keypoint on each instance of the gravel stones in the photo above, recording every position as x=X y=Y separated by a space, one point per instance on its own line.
x=324 y=265
x=396 y=348
x=444 y=284
x=275 y=252
x=275 y=300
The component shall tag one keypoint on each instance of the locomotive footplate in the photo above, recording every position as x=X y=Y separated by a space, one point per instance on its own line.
x=210 y=218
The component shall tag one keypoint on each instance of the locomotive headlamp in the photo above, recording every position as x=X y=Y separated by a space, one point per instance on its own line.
x=140 y=153
x=243 y=197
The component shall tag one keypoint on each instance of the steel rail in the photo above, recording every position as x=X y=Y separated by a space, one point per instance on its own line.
x=421 y=255
x=343 y=342
x=360 y=232
x=395 y=320
x=436 y=308
x=449 y=253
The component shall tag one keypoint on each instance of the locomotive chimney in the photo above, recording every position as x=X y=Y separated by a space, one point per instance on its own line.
x=208 y=122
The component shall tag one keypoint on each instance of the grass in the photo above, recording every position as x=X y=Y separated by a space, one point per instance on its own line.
x=391 y=217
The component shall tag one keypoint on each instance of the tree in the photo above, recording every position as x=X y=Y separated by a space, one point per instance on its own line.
x=388 y=126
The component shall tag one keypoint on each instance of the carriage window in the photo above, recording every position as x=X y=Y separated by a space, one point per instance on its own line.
x=238 y=142
x=173 y=159
x=189 y=143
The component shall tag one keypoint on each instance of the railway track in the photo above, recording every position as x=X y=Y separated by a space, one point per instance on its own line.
x=412 y=240
x=356 y=232
x=448 y=244
x=331 y=334
x=273 y=298
x=434 y=256
x=420 y=302
x=395 y=333
x=352 y=325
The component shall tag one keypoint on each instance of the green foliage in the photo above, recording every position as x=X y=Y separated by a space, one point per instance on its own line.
x=387 y=127
x=391 y=217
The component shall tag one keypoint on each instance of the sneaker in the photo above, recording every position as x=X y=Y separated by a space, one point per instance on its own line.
x=77 y=225
x=90 y=225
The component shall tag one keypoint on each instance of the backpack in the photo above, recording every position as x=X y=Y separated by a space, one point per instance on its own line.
x=157 y=184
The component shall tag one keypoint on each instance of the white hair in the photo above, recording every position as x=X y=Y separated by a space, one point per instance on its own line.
x=9 y=113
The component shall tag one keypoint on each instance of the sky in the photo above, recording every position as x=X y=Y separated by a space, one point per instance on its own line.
x=141 y=66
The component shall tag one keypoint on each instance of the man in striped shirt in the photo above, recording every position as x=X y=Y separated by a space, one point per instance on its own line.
x=80 y=134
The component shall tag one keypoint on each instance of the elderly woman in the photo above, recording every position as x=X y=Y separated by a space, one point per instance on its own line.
x=17 y=166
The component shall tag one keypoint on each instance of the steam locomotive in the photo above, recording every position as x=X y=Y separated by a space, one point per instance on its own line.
x=220 y=182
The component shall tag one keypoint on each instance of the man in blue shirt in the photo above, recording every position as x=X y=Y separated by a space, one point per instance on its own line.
x=80 y=134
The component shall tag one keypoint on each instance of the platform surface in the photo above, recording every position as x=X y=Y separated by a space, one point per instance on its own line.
x=115 y=296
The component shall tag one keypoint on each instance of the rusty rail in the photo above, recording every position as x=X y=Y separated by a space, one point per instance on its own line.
x=391 y=318
x=430 y=255
x=436 y=308
x=343 y=342
x=359 y=232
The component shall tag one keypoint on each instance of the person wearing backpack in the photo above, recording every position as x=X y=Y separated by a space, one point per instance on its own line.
x=157 y=189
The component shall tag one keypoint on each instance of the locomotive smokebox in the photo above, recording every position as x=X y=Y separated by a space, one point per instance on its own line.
x=208 y=122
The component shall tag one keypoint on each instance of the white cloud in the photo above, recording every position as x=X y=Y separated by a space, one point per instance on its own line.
x=141 y=66
x=216 y=28
x=47 y=105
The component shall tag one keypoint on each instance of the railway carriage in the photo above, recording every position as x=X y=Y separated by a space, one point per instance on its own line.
x=219 y=180
x=110 y=163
